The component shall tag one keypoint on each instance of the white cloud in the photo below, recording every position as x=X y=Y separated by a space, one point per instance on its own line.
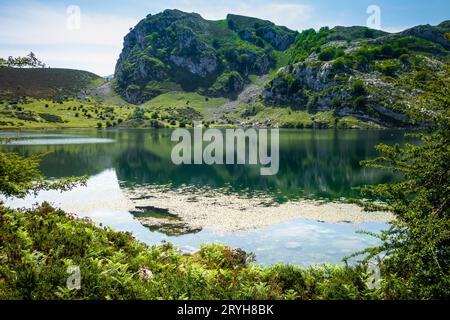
x=293 y=15
x=95 y=46
x=41 y=25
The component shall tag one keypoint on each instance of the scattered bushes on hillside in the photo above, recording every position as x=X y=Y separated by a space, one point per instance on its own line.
x=228 y=84
x=330 y=53
x=51 y=117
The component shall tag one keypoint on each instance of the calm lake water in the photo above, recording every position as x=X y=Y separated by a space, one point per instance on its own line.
x=314 y=164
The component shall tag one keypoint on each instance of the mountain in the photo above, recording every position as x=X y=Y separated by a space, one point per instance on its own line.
x=356 y=71
x=45 y=83
x=176 y=67
x=175 y=50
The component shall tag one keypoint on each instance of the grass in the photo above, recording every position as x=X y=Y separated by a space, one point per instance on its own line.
x=288 y=118
x=172 y=109
x=40 y=113
x=183 y=99
x=45 y=83
x=181 y=107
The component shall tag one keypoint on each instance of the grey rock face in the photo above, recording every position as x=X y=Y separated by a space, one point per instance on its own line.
x=428 y=32
x=199 y=66
x=186 y=50
x=279 y=41
x=318 y=80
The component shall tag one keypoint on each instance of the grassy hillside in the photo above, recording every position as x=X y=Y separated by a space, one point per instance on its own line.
x=45 y=83
x=41 y=113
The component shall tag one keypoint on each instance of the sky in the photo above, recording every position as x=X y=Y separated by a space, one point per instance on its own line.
x=88 y=34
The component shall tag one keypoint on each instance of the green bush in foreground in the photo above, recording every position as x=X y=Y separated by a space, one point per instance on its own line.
x=417 y=244
x=20 y=176
x=37 y=247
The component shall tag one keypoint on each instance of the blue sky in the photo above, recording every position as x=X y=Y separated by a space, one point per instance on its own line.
x=41 y=26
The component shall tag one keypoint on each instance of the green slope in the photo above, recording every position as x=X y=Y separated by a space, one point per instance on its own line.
x=45 y=82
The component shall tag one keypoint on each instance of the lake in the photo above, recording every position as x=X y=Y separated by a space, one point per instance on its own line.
x=314 y=165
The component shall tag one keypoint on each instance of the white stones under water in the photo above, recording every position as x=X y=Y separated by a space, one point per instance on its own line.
x=231 y=212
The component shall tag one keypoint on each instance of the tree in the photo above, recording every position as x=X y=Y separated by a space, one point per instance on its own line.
x=21 y=176
x=138 y=114
x=30 y=61
x=417 y=243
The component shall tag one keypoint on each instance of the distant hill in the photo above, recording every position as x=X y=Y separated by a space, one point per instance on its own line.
x=45 y=83
x=361 y=72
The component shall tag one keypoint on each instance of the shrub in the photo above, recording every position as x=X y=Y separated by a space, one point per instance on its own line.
x=388 y=68
x=362 y=63
x=327 y=54
x=51 y=117
x=360 y=103
x=358 y=88
x=386 y=50
x=138 y=114
x=42 y=243
x=422 y=76
x=339 y=65
x=404 y=59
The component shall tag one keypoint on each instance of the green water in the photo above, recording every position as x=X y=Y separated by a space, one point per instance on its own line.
x=313 y=163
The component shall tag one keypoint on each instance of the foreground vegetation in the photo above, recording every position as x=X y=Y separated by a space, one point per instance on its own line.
x=113 y=265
